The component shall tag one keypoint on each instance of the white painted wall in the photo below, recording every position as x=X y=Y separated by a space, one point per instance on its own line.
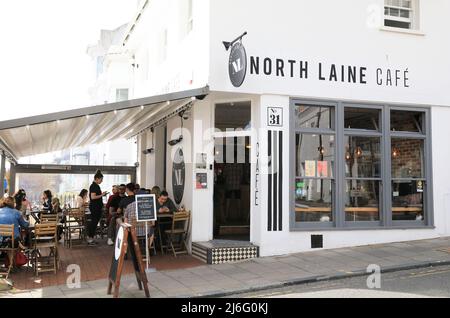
x=322 y=31
x=286 y=241
x=185 y=63
x=339 y=32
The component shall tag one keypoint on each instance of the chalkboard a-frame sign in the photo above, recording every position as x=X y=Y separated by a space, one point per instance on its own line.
x=126 y=240
x=145 y=207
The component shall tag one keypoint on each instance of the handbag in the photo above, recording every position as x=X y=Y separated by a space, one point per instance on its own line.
x=20 y=260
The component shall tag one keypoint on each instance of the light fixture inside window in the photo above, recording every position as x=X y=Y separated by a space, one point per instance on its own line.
x=321 y=150
x=395 y=152
x=358 y=152
x=348 y=156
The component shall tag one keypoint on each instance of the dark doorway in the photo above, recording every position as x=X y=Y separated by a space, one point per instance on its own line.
x=232 y=188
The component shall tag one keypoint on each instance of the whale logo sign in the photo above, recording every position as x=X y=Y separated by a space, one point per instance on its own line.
x=237 y=64
x=178 y=176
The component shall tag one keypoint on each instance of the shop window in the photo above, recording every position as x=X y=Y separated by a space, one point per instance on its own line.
x=363 y=176
x=401 y=14
x=314 y=171
x=351 y=169
x=408 y=179
x=359 y=118
x=407 y=121
x=314 y=117
x=314 y=164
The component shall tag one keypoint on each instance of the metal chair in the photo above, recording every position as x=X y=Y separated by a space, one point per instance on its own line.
x=45 y=236
x=7 y=245
x=177 y=235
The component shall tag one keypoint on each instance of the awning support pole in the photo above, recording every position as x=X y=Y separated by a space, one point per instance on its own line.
x=2 y=173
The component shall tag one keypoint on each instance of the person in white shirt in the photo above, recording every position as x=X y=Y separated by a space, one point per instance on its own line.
x=82 y=199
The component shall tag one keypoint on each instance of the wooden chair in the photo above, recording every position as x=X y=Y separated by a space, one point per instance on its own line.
x=45 y=236
x=177 y=235
x=7 y=232
x=75 y=224
x=49 y=218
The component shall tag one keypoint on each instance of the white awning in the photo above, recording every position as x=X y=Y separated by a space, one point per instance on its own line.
x=91 y=125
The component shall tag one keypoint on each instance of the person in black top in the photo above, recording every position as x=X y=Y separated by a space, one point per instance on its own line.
x=47 y=198
x=164 y=204
x=95 y=206
x=130 y=198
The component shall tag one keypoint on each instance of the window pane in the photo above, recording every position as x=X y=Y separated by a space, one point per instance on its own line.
x=397 y=24
x=407 y=200
x=360 y=118
x=407 y=121
x=404 y=13
x=314 y=155
x=394 y=12
x=407 y=158
x=313 y=200
x=233 y=116
x=362 y=157
x=362 y=200
x=314 y=117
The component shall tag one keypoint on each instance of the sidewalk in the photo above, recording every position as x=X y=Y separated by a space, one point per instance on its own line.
x=265 y=272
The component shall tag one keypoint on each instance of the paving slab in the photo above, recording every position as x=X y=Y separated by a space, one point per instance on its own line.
x=261 y=273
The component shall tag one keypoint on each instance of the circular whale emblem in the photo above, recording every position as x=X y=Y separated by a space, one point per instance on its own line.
x=237 y=64
x=178 y=176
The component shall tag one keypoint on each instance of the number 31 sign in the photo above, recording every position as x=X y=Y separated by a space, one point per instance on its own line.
x=275 y=116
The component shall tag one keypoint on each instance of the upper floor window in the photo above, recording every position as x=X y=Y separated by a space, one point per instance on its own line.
x=121 y=94
x=401 y=14
x=190 y=19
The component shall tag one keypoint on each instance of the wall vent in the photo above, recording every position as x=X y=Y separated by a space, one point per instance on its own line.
x=316 y=241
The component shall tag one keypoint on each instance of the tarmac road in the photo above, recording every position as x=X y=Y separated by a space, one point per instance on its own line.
x=421 y=282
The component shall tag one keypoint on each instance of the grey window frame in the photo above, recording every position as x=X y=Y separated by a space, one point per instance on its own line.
x=293 y=177
x=385 y=134
x=362 y=133
x=425 y=135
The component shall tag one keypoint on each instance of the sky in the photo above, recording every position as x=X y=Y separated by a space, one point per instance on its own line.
x=44 y=66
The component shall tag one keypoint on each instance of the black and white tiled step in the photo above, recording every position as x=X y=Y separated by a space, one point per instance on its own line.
x=224 y=251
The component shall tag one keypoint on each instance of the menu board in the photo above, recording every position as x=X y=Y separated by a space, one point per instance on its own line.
x=310 y=168
x=145 y=207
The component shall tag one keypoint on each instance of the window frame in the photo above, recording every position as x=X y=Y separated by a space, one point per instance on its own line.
x=309 y=131
x=413 y=20
x=363 y=133
x=425 y=135
x=338 y=207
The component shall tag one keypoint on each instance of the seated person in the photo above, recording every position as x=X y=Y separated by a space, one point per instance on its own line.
x=82 y=200
x=56 y=208
x=129 y=207
x=9 y=215
x=156 y=191
x=47 y=201
x=164 y=204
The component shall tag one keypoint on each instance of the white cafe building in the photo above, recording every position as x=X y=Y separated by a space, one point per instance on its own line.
x=336 y=111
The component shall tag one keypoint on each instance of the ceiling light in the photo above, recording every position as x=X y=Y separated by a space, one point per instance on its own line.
x=173 y=142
